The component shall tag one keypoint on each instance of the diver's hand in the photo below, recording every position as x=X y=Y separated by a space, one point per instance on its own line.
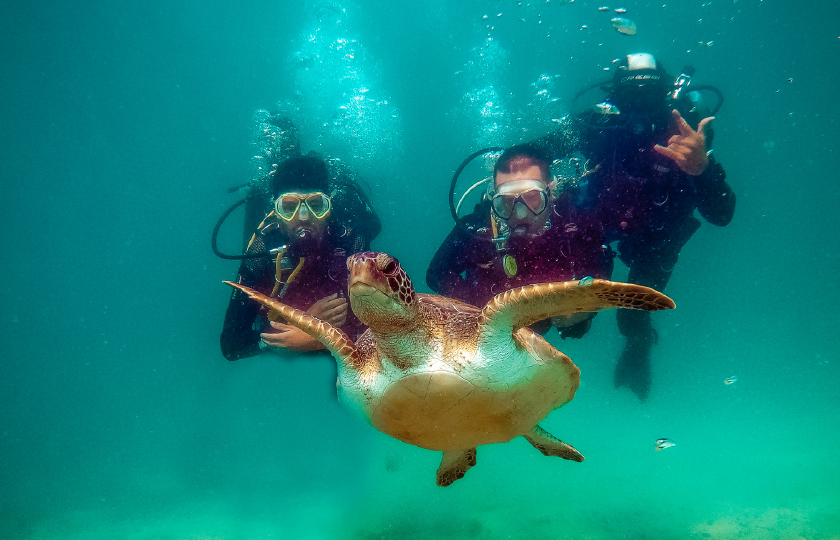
x=688 y=149
x=330 y=309
x=290 y=338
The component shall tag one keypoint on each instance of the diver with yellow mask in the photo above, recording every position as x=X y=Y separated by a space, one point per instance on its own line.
x=277 y=140
x=297 y=254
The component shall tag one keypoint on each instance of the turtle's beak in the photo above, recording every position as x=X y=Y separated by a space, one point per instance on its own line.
x=369 y=303
x=365 y=276
x=362 y=289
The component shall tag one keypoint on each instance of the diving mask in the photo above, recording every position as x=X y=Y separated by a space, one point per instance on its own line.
x=532 y=193
x=287 y=205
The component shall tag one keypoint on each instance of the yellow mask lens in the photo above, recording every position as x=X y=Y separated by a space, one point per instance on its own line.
x=287 y=205
x=318 y=204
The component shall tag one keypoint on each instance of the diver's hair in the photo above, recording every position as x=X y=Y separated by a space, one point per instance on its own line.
x=521 y=157
x=304 y=173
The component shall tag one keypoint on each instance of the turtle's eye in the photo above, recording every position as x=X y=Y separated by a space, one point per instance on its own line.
x=390 y=268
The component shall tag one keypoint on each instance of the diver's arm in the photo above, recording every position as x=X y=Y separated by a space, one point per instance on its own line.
x=239 y=339
x=716 y=200
x=331 y=309
x=687 y=148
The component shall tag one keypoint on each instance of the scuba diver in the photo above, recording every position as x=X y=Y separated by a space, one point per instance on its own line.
x=647 y=171
x=278 y=141
x=298 y=254
x=521 y=233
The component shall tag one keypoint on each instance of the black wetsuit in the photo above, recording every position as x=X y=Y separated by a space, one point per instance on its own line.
x=353 y=225
x=646 y=203
x=468 y=267
x=322 y=274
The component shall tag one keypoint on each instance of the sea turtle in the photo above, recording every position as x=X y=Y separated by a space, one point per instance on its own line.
x=444 y=375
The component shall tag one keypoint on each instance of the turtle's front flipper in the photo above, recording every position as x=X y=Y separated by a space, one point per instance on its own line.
x=331 y=337
x=550 y=445
x=454 y=465
x=511 y=310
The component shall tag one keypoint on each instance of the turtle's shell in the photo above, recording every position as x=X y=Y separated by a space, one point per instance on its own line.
x=444 y=375
x=460 y=398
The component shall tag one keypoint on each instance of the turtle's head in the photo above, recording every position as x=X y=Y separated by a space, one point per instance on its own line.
x=381 y=294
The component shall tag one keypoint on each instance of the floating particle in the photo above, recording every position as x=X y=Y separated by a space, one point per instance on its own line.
x=624 y=25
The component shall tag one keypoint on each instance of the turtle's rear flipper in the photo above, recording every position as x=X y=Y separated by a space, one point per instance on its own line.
x=550 y=445
x=454 y=465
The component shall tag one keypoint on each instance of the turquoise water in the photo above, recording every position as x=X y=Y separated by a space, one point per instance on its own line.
x=124 y=123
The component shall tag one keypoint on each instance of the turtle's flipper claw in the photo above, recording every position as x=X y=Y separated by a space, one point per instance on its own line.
x=550 y=445
x=454 y=465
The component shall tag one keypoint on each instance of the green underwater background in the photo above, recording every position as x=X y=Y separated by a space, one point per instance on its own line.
x=123 y=126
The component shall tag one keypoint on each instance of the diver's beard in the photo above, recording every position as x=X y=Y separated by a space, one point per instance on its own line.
x=522 y=229
x=525 y=229
x=306 y=241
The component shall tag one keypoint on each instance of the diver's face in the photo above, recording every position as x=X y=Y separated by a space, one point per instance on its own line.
x=304 y=223
x=523 y=200
x=641 y=97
